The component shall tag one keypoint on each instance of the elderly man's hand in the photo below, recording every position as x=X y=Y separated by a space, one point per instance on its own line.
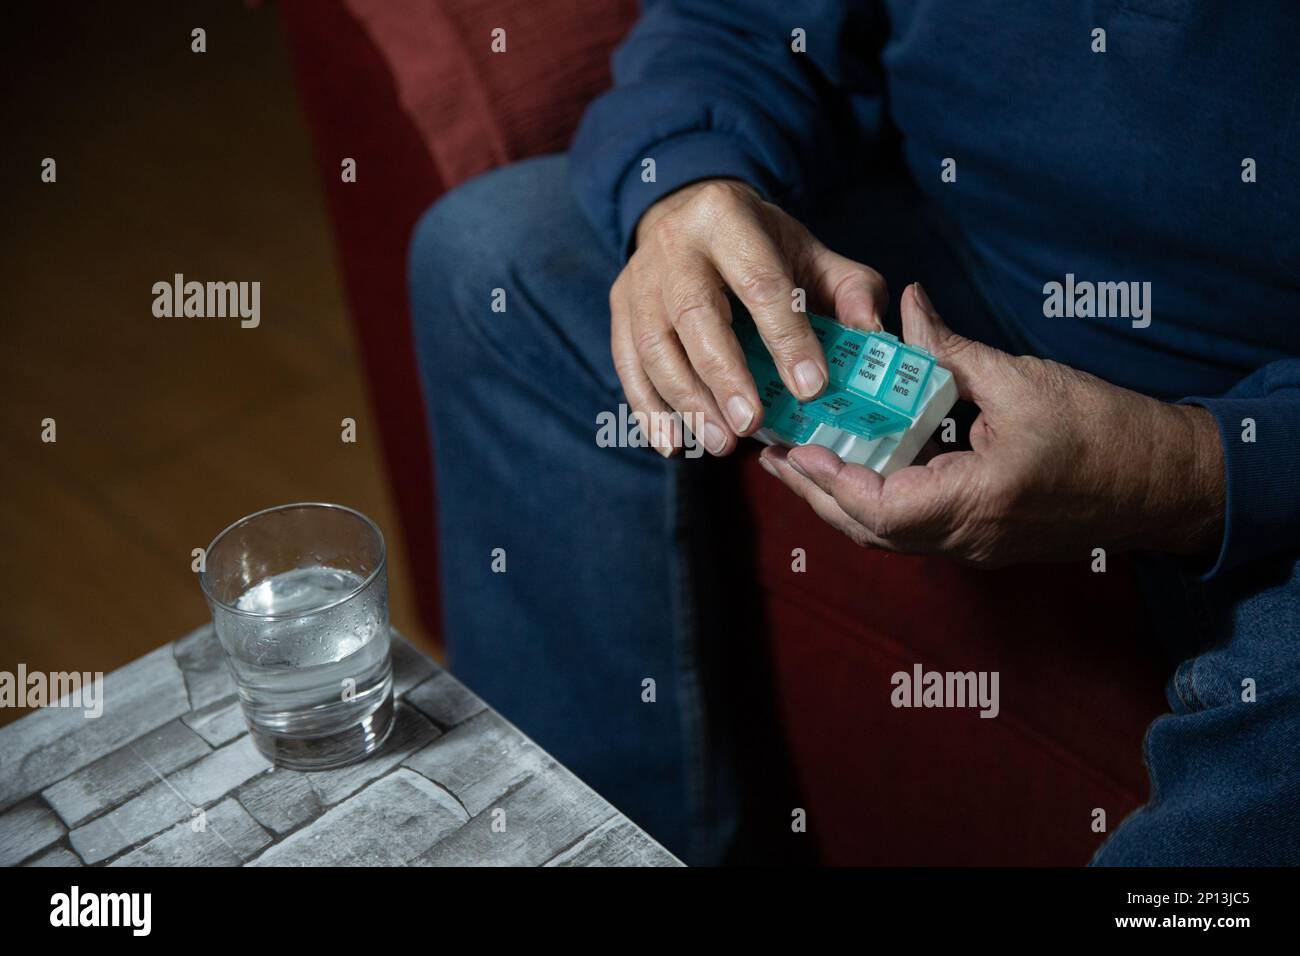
x=670 y=321
x=1061 y=463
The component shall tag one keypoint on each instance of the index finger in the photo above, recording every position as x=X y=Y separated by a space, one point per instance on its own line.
x=701 y=314
x=752 y=265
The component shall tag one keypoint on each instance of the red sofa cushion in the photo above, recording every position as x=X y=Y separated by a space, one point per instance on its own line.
x=1078 y=684
x=346 y=86
x=478 y=109
x=881 y=785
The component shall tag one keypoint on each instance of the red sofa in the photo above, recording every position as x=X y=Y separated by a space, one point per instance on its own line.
x=411 y=89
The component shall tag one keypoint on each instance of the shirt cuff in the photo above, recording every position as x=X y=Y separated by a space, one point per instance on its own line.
x=680 y=161
x=1261 y=513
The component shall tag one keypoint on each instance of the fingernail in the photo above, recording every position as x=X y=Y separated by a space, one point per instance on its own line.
x=714 y=438
x=794 y=463
x=808 y=377
x=660 y=442
x=768 y=467
x=922 y=299
x=740 y=412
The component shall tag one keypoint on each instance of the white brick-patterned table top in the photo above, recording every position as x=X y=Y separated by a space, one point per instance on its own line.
x=169 y=776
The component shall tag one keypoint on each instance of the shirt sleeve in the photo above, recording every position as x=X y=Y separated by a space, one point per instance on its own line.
x=1259 y=425
x=765 y=91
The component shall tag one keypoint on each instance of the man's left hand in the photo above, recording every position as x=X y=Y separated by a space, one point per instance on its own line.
x=1061 y=463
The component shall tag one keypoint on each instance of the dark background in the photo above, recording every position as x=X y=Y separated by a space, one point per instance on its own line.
x=168 y=429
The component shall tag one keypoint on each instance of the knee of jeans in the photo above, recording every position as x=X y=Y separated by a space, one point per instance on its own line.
x=506 y=273
x=470 y=244
x=446 y=267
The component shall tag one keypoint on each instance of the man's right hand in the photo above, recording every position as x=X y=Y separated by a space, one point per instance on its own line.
x=670 y=330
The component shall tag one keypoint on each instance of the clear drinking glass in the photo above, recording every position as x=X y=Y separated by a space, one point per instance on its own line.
x=299 y=598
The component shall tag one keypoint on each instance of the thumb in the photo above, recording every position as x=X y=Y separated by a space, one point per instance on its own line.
x=975 y=366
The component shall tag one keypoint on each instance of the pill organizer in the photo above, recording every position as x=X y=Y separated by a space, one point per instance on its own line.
x=884 y=399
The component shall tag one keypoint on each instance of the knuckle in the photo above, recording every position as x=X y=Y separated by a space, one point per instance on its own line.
x=857 y=292
x=786 y=342
x=716 y=199
x=868 y=280
x=649 y=341
x=681 y=395
x=715 y=367
x=618 y=288
x=763 y=286
x=951 y=344
x=692 y=310
x=676 y=384
x=669 y=231
x=626 y=367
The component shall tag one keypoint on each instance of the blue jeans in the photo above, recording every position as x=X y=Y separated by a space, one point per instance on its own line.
x=1224 y=770
x=597 y=595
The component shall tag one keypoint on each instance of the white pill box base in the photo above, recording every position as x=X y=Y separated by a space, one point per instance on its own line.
x=888 y=454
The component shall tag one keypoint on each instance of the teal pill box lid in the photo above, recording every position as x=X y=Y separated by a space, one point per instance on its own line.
x=793 y=423
x=911 y=372
x=875 y=365
x=771 y=390
x=876 y=382
x=846 y=411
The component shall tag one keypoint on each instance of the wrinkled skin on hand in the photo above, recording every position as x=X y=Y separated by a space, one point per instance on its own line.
x=1060 y=463
x=670 y=320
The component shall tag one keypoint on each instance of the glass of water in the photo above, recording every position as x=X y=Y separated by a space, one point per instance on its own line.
x=299 y=598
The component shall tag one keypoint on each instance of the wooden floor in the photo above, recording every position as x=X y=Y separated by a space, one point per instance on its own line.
x=167 y=428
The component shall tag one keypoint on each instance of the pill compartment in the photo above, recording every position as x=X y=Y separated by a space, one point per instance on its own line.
x=843 y=355
x=793 y=423
x=883 y=401
x=908 y=377
x=875 y=365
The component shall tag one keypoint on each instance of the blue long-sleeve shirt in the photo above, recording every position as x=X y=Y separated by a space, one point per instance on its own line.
x=1173 y=157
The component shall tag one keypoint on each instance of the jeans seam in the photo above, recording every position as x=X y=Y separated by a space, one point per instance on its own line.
x=1184 y=687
